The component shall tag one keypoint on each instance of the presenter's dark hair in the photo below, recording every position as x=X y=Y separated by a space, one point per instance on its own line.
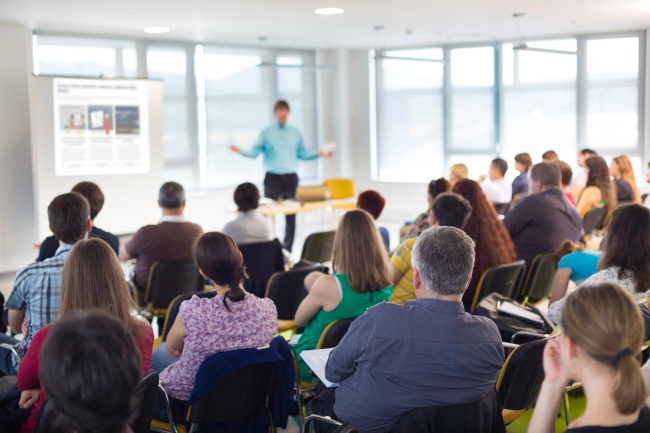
x=247 y=197
x=217 y=255
x=68 y=216
x=451 y=210
x=501 y=165
x=171 y=195
x=91 y=371
x=93 y=194
x=281 y=105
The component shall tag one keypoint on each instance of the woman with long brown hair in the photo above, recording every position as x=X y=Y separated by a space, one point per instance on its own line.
x=600 y=189
x=623 y=174
x=361 y=280
x=92 y=279
x=626 y=255
x=602 y=333
x=493 y=244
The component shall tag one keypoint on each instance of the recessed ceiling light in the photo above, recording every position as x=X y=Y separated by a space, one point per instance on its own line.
x=329 y=11
x=156 y=29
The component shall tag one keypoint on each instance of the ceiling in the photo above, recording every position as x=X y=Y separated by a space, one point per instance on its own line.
x=293 y=23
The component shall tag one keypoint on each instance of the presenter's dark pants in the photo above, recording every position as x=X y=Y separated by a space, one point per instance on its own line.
x=283 y=186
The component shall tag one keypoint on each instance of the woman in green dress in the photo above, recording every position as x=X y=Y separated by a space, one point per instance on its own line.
x=361 y=280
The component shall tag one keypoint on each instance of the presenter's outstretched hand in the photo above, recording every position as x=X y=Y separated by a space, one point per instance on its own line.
x=234 y=148
x=325 y=154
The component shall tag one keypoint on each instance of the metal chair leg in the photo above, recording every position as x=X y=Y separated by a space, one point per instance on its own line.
x=172 y=424
x=566 y=408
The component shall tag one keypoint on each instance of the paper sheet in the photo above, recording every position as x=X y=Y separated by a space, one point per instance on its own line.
x=316 y=360
x=294 y=340
x=513 y=310
x=328 y=147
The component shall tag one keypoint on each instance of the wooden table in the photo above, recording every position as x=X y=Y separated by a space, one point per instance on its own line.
x=294 y=208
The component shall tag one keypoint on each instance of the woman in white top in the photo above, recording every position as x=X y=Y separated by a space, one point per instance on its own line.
x=626 y=255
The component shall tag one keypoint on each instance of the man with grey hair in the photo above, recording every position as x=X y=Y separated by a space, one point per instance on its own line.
x=172 y=238
x=543 y=220
x=428 y=352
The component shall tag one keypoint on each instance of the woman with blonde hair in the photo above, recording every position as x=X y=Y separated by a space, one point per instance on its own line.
x=458 y=172
x=602 y=334
x=92 y=279
x=362 y=279
x=623 y=174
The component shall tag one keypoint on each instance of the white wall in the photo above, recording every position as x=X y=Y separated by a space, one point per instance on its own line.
x=17 y=217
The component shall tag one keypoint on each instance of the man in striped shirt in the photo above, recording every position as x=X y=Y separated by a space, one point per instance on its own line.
x=34 y=299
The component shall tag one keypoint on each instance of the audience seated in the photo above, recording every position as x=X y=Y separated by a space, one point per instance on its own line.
x=602 y=333
x=448 y=209
x=172 y=238
x=373 y=203
x=493 y=244
x=234 y=319
x=498 y=190
x=580 y=181
x=458 y=172
x=95 y=197
x=34 y=299
x=544 y=219
x=362 y=279
x=646 y=202
x=550 y=156
x=624 y=180
x=90 y=373
x=573 y=262
x=566 y=176
x=626 y=257
x=523 y=161
x=249 y=227
x=92 y=279
x=600 y=190
x=436 y=187
x=427 y=353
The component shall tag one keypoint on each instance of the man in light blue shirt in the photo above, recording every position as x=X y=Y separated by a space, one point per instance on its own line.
x=283 y=147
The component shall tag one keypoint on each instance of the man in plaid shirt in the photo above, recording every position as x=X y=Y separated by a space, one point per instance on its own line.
x=34 y=299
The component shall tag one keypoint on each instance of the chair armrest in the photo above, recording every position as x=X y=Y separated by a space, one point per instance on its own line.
x=287 y=260
x=311 y=418
x=285 y=325
x=12 y=349
x=539 y=336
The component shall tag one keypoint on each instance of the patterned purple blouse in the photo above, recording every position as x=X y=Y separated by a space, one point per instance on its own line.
x=211 y=328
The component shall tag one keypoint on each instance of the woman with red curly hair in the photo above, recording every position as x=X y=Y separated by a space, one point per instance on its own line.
x=493 y=244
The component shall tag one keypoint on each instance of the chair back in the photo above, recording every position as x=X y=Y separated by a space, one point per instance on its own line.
x=501 y=208
x=340 y=188
x=594 y=219
x=287 y=290
x=334 y=333
x=318 y=247
x=503 y=279
x=483 y=415
x=168 y=279
x=522 y=376
x=516 y=199
x=175 y=305
x=145 y=400
x=539 y=281
x=44 y=419
x=262 y=259
x=237 y=396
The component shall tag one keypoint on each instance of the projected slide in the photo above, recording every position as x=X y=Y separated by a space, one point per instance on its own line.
x=101 y=127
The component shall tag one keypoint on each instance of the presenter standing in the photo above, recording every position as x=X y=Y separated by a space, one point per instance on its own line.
x=282 y=146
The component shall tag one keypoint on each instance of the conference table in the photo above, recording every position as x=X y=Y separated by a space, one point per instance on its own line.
x=290 y=207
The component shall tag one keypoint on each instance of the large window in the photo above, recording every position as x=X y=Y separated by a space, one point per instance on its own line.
x=212 y=97
x=543 y=101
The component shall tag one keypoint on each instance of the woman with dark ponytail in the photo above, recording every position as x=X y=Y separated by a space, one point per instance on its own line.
x=233 y=319
x=602 y=334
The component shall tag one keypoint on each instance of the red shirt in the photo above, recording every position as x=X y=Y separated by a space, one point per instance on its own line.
x=29 y=377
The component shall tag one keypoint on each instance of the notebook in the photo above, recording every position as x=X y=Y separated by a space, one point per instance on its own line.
x=513 y=310
x=316 y=360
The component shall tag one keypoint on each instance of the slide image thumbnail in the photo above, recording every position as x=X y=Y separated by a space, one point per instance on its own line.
x=72 y=117
x=127 y=120
x=101 y=118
